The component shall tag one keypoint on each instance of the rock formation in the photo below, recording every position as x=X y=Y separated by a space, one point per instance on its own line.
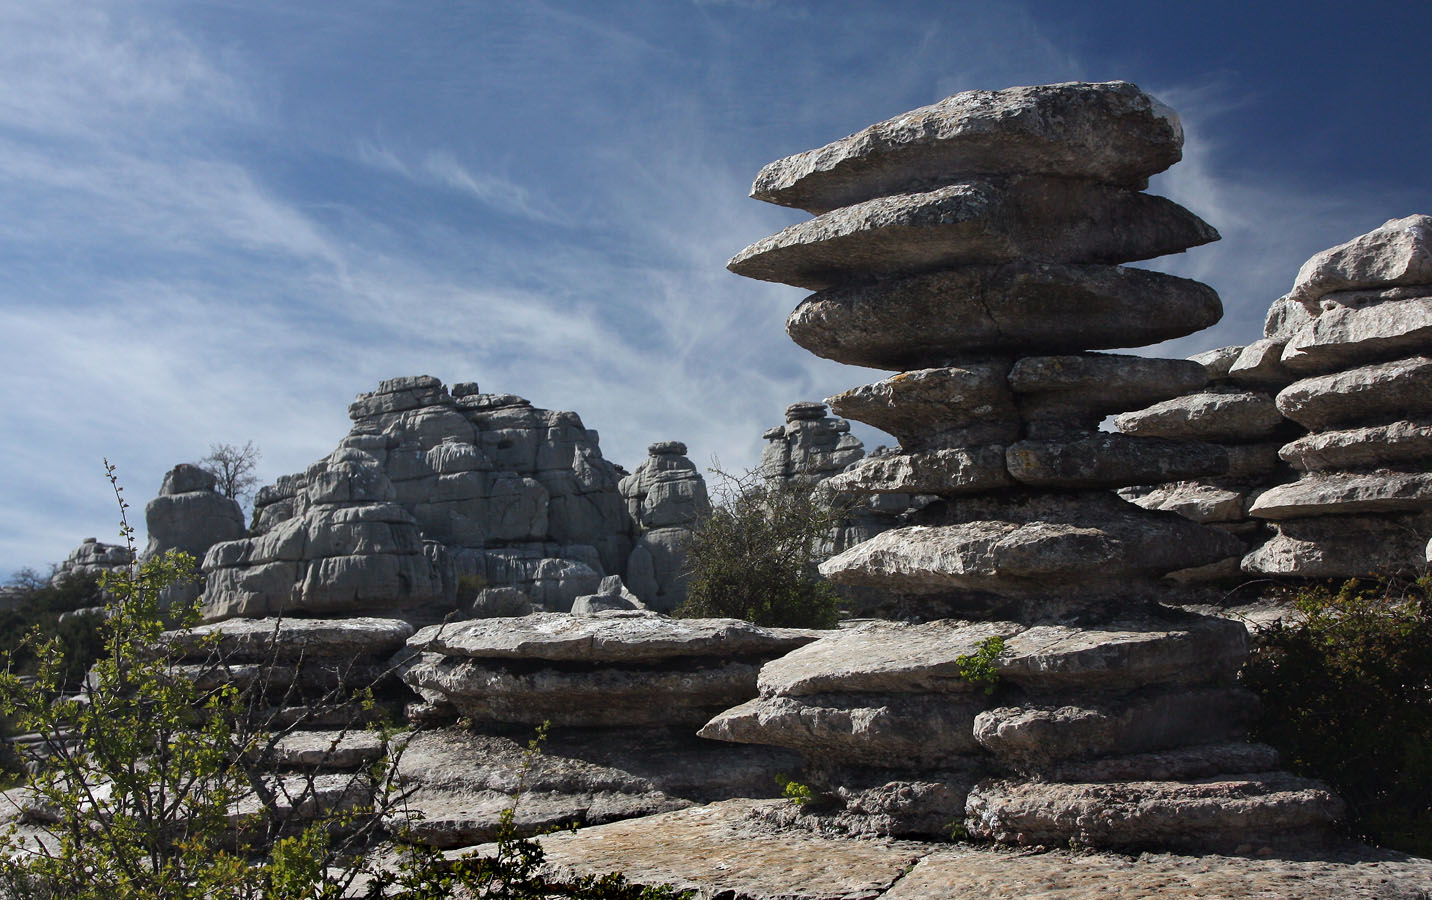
x=1356 y=331
x=1237 y=413
x=191 y=516
x=664 y=496
x=428 y=486
x=973 y=247
x=92 y=558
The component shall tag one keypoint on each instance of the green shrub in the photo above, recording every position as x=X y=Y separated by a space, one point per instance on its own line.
x=978 y=668
x=1347 y=697
x=755 y=556
x=39 y=604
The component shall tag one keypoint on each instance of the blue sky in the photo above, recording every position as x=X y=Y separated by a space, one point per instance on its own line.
x=221 y=220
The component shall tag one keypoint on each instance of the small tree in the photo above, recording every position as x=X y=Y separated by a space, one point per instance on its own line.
x=755 y=556
x=233 y=467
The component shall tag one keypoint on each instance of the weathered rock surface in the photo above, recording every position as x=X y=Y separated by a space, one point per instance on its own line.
x=1365 y=395
x=1135 y=650
x=1025 y=306
x=1342 y=546
x=1221 y=415
x=966 y=404
x=1394 y=444
x=1397 y=253
x=1195 y=501
x=1346 y=336
x=1111 y=460
x=976 y=222
x=947 y=472
x=1260 y=365
x=665 y=496
x=1110 y=132
x=810 y=447
x=289 y=640
x=92 y=559
x=1336 y=493
x=1082 y=389
x=190 y=515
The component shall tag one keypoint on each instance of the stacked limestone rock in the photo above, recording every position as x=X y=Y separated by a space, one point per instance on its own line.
x=1356 y=330
x=189 y=515
x=1235 y=411
x=956 y=244
x=492 y=486
x=92 y=559
x=664 y=496
x=622 y=690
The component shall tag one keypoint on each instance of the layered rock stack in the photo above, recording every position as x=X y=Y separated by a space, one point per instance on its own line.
x=191 y=516
x=973 y=247
x=1235 y=411
x=664 y=496
x=623 y=691
x=475 y=484
x=1356 y=331
x=93 y=558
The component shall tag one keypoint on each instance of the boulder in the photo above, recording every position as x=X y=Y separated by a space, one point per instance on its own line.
x=1025 y=307
x=1217 y=415
x=967 y=404
x=975 y=222
x=1396 y=253
x=1110 y=132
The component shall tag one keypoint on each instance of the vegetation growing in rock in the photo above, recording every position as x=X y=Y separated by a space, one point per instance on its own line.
x=978 y=668
x=755 y=556
x=1347 y=696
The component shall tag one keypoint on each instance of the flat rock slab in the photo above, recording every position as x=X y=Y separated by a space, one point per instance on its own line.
x=1345 y=336
x=1366 y=395
x=1260 y=365
x=326 y=749
x=1223 y=415
x=979 y=222
x=284 y=640
x=972 y=403
x=1195 y=501
x=1251 y=810
x=1111 y=460
x=883 y=657
x=721 y=850
x=1396 y=253
x=1111 y=132
x=1346 y=546
x=1024 y=307
x=961 y=470
x=1333 y=493
x=1101 y=383
x=1394 y=444
x=606 y=637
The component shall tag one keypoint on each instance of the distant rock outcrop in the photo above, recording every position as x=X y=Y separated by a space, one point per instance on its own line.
x=92 y=558
x=428 y=486
x=189 y=515
x=664 y=496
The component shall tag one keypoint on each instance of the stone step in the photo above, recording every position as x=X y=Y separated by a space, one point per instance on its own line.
x=974 y=222
x=1219 y=813
x=1022 y=307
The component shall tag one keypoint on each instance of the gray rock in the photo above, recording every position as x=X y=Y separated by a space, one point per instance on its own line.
x=93 y=558
x=285 y=640
x=943 y=472
x=1347 y=336
x=1035 y=736
x=1228 y=812
x=1396 y=444
x=1396 y=253
x=977 y=222
x=188 y=515
x=1217 y=362
x=1341 y=493
x=1025 y=307
x=1111 y=460
x=1220 y=415
x=1092 y=541
x=959 y=405
x=1285 y=317
x=656 y=569
x=186 y=478
x=1110 y=132
x=1082 y=389
x=1260 y=365
x=1343 y=546
x=1137 y=650
x=810 y=447
x=324 y=749
x=500 y=602
x=1366 y=395
x=615 y=637
x=883 y=658
x=1195 y=501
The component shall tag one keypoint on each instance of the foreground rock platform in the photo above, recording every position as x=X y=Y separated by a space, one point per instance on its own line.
x=730 y=850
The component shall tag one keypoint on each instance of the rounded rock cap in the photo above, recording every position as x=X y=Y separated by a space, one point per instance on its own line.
x=805 y=409
x=667 y=448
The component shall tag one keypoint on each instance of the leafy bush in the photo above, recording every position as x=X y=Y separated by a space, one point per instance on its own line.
x=1347 y=697
x=755 y=556
x=978 y=668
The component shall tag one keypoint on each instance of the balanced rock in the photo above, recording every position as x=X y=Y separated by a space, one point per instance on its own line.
x=665 y=496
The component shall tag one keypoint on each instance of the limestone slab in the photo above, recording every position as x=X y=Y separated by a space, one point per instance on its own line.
x=607 y=637
x=971 y=400
x=1345 y=546
x=1111 y=132
x=978 y=222
x=1394 y=444
x=1222 y=415
x=1026 y=307
x=943 y=472
x=1097 y=384
x=283 y=640
x=1260 y=365
x=1396 y=253
x=1136 y=650
x=1365 y=395
x=1111 y=460
x=1344 y=336
x=1196 y=501
x=1340 y=493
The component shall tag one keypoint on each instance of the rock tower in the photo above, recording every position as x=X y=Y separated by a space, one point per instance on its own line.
x=973 y=247
x=664 y=496
x=1356 y=331
x=189 y=515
